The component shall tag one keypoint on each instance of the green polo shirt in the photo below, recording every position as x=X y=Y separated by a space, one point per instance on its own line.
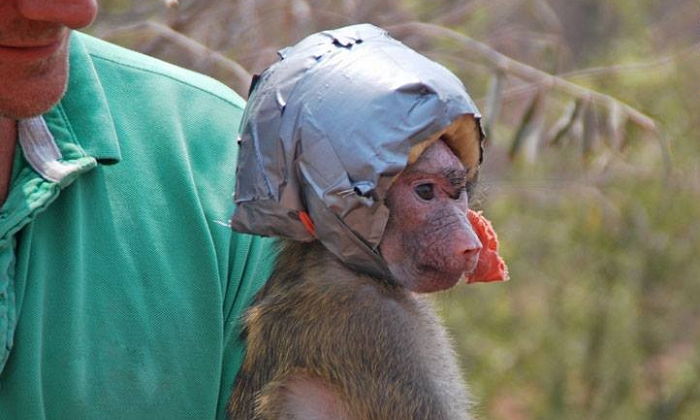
x=121 y=287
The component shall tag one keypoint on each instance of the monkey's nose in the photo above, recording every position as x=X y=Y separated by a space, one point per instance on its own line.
x=470 y=258
x=472 y=252
x=465 y=247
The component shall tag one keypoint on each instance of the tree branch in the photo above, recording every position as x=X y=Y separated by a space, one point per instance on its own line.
x=184 y=42
x=503 y=63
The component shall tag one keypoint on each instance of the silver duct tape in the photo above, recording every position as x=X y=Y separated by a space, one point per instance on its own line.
x=329 y=126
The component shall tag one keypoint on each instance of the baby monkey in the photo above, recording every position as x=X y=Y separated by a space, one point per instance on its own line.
x=327 y=339
x=328 y=342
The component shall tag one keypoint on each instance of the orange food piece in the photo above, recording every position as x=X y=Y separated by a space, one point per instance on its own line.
x=490 y=266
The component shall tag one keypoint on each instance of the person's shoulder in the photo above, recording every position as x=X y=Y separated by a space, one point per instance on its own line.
x=112 y=55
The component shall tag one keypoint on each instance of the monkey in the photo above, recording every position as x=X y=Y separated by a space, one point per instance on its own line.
x=326 y=341
x=362 y=154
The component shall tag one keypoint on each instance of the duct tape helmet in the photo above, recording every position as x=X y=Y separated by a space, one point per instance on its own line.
x=329 y=127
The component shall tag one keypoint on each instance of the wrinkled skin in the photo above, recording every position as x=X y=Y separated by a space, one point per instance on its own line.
x=429 y=244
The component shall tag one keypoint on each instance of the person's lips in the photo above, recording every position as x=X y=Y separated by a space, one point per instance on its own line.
x=28 y=52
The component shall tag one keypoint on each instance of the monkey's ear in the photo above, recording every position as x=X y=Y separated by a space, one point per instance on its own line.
x=490 y=266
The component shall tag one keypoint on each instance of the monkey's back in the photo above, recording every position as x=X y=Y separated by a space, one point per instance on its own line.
x=376 y=348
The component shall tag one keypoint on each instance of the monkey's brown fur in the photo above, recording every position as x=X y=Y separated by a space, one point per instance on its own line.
x=376 y=349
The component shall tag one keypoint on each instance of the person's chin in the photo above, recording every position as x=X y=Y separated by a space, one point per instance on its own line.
x=36 y=88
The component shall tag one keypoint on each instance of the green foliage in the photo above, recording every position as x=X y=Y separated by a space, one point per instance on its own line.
x=599 y=319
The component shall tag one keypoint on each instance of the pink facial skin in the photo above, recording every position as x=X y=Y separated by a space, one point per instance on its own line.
x=429 y=243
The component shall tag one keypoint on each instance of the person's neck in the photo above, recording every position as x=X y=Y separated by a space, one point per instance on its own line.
x=8 y=140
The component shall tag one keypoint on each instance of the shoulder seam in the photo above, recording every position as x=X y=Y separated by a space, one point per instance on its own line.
x=175 y=79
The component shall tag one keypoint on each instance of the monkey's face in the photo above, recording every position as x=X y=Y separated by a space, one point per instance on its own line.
x=429 y=243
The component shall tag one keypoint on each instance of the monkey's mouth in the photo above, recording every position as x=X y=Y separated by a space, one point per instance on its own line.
x=457 y=266
x=430 y=278
x=471 y=262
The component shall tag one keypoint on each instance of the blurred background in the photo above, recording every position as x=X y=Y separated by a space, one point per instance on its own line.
x=591 y=179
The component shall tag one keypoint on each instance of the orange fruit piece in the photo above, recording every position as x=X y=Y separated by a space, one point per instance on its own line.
x=490 y=267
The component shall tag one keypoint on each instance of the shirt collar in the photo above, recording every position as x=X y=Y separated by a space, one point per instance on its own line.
x=81 y=123
x=42 y=152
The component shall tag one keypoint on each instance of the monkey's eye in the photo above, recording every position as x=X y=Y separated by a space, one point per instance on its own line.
x=457 y=194
x=425 y=191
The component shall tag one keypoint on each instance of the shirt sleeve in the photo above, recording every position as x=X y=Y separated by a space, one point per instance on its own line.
x=251 y=261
